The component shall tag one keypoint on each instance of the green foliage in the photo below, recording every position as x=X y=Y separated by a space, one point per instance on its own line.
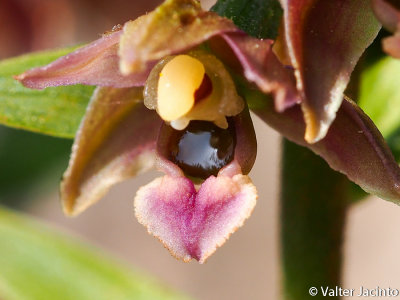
x=380 y=94
x=27 y=159
x=259 y=18
x=39 y=264
x=55 y=111
x=380 y=99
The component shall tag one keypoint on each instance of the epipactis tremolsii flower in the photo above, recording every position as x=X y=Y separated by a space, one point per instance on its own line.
x=167 y=97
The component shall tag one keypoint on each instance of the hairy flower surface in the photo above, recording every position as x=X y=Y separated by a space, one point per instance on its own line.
x=167 y=97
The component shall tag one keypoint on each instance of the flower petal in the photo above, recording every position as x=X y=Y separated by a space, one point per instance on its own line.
x=94 y=64
x=190 y=223
x=391 y=45
x=261 y=66
x=246 y=142
x=193 y=224
x=115 y=141
x=389 y=15
x=352 y=146
x=175 y=26
x=325 y=40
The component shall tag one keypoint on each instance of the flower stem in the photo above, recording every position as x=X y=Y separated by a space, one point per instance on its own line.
x=313 y=211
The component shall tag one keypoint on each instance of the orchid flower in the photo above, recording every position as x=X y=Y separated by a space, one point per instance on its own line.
x=388 y=12
x=168 y=96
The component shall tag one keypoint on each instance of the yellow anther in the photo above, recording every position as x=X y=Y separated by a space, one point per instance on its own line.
x=180 y=79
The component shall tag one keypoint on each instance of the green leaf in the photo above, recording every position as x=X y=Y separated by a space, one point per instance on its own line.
x=39 y=264
x=55 y=111
x=46 y=159
x=380 y=99
x=380 y=94
x=259 y=18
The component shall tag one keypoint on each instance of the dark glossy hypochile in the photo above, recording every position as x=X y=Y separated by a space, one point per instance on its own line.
x=203 y=148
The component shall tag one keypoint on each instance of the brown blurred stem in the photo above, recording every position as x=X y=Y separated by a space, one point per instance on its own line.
x=313 y=212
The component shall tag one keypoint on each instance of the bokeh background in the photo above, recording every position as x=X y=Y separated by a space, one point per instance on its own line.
x=247 y=266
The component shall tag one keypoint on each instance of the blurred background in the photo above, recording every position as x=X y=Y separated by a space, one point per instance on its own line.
x=247 y=266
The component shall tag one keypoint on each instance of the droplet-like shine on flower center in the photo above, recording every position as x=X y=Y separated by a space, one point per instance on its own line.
x=203 y=148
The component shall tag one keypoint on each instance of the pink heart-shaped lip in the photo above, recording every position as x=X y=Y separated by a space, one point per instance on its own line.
x=190 y=223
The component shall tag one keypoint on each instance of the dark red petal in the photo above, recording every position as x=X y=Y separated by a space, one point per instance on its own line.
x=261 y=66
x=325 y=40
x=387 y=14
x=246 y=142
x=352 y=146
x=391 y=45
x=94 y=64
